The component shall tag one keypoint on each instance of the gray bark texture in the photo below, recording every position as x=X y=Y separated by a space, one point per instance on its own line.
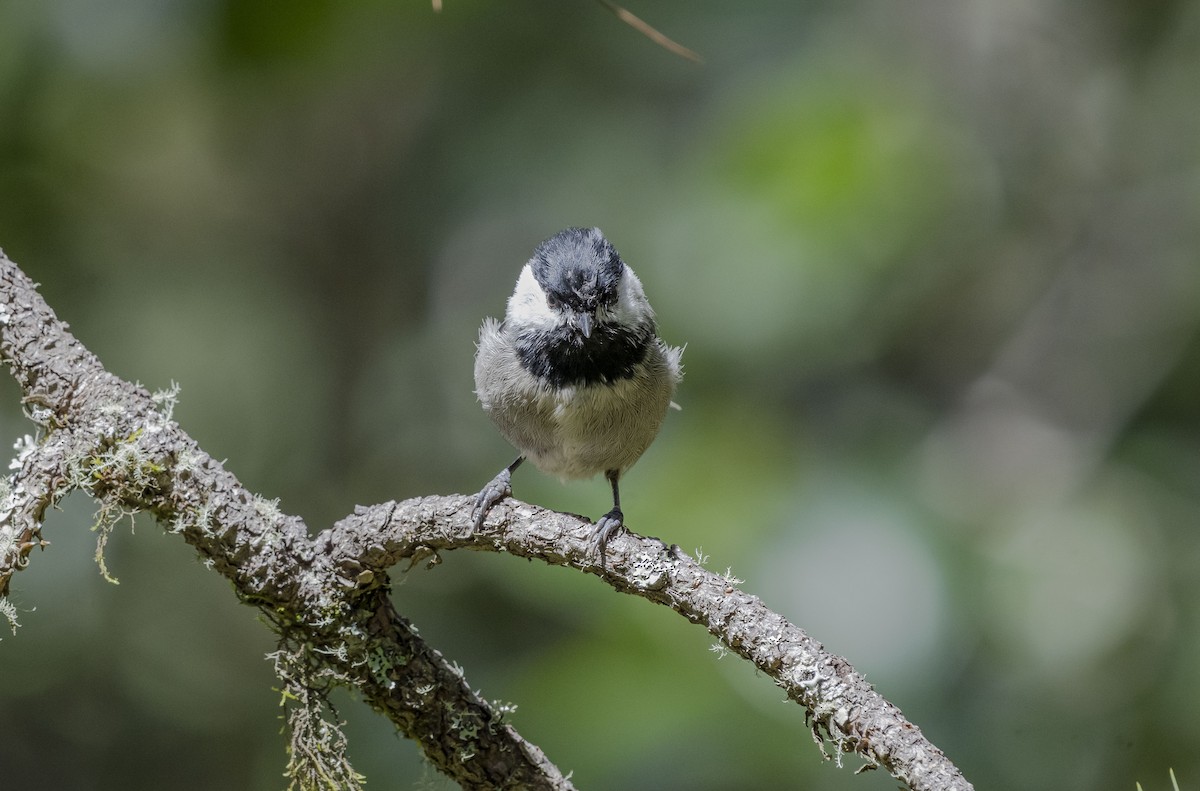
x=328 y=596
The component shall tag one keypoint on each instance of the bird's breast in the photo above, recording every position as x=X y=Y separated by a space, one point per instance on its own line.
x=563 y=357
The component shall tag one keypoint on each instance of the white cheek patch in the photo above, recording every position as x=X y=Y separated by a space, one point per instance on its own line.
x=632 y=308
x=527 y=306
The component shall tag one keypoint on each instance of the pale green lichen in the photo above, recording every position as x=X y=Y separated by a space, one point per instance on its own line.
x=105 y=521
x=122 y=473
x=316 y=749
x=24 y=446
x=8 y=533
x=382 y=668
x=166 y=399
x=504 y=709
x=267 y=509
x=466 y=726
x=8 y=612
x=125 y=467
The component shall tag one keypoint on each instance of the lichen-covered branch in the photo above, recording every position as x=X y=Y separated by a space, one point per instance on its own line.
x=328 y=596
x=117 y=442
x=844 y=708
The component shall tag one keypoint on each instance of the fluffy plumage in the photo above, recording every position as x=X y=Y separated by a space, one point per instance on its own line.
x=575 y=377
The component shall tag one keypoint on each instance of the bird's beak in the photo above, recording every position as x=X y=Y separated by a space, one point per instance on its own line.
x=583 y=320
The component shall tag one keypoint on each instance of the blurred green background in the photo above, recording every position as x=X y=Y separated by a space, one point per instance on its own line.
x=937 y=267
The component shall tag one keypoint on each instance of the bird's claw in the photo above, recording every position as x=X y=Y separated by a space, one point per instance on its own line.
x=496 y=490
x=609 y=524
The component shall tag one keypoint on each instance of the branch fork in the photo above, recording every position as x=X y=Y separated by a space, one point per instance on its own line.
x=328 y=598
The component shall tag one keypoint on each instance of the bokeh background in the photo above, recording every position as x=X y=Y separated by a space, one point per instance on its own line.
x=937 y=267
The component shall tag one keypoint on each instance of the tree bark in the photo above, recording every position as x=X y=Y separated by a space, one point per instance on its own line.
x=328 y=596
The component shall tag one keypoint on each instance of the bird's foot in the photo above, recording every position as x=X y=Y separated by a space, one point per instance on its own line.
x=496 y=490
x=609 y=525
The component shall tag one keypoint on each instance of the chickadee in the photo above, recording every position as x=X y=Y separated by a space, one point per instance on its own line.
x=575 y=377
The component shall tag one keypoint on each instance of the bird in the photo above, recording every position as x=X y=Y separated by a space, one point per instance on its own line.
x=575 y=377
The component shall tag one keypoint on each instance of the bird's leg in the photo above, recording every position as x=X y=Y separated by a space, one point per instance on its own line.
x=496 y=490
x=611 y=522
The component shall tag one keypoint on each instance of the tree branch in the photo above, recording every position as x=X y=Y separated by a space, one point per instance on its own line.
x=844 y=708
x=109 y=438
x=328 y=596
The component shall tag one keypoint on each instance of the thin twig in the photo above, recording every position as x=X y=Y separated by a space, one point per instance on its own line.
x=649 y=32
